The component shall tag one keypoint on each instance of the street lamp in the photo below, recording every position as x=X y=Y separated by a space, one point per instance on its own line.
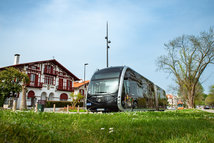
x=85 y=69
x=107 y=42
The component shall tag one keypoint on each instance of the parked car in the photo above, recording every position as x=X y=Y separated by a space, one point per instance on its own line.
x=206 y=107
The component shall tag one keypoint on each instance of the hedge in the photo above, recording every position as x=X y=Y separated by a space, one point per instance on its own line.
x=49 y=104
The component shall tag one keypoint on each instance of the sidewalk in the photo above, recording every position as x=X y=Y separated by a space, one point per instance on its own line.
x=208 y=110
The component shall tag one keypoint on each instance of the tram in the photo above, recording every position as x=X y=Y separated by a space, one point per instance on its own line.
x=122 y=89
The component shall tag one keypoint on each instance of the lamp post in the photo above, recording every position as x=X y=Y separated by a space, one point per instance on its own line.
x=84 y=81
x=85 y=70
x=107 y=42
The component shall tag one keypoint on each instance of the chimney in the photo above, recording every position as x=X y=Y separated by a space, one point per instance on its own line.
x=16 y=59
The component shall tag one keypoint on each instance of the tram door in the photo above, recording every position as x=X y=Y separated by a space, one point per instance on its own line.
x=129 y=91
x=126 y=98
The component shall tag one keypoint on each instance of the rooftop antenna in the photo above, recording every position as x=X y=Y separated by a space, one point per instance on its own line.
x=107 y=42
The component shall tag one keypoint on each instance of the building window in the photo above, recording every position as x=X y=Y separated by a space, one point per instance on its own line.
x=48 y=69
x=33 y=67
x=69 y=84
x=32 y=77
x=64 y=84
x=49 y=80
x=81 y=91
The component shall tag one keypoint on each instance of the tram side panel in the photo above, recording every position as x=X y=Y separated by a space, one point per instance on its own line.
x=138 y=92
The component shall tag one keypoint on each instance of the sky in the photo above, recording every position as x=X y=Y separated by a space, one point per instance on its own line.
x=73 y=32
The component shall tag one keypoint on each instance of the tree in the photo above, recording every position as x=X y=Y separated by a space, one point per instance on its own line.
x=209 y=100
x=11 y=82
x=76 y=99
x=25 y=81
x=199 y=95
x=212 y=90
x=187 y=58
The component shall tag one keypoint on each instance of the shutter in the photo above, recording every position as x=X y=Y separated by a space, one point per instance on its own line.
x=31 y=94
x=45 y=69
x=60 y=83
x=36 y=80
x=70 y=84
x=51 y=70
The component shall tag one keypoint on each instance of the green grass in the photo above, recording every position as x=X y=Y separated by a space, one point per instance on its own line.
x=172 y=126
x=75 y=110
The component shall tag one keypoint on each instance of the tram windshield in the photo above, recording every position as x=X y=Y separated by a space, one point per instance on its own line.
x=103 y=86
x=105 y=81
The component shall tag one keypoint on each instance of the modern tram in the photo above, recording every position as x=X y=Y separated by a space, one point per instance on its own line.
x=123 y=89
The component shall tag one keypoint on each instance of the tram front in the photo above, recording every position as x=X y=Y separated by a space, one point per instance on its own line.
x=103 y=90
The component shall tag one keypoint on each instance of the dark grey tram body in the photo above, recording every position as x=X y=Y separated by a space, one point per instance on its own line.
x=123 y=89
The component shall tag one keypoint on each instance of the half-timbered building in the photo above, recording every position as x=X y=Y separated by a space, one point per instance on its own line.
x=49 y=81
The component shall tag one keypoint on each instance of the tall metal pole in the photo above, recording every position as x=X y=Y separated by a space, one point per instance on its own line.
x=84 y=70
x=107 y=42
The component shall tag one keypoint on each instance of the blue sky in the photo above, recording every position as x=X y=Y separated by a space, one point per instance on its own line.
x=73 y=31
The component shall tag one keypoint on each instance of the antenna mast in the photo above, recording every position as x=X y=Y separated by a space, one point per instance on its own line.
x=107 y=42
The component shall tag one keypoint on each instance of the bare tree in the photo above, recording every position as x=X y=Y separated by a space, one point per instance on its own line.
x=187 y=58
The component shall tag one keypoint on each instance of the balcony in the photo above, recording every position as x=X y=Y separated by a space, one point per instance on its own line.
x=34 y=70
x=35 y=85
x=65 y=88
x=50 y=71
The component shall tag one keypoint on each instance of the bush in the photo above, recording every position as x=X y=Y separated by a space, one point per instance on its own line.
x=49 y=104
x=209 y=100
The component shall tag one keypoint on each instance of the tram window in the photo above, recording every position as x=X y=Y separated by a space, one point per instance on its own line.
x=103 y=86
x=139 y=92
x=127 y=87
x=106 y=75
x=133 y=88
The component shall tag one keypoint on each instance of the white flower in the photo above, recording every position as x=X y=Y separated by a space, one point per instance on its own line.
x=102 y=128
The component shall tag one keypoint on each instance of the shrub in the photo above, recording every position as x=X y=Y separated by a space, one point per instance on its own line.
x=49 y=104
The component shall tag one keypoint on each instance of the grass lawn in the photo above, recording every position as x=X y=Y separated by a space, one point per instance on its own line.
x=169 y=126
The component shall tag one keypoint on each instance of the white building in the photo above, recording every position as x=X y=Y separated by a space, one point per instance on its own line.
x=81 y=87
x=49 y=80
x=172 y=100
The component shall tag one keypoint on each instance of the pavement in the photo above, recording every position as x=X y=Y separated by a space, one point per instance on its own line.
x=208 y=110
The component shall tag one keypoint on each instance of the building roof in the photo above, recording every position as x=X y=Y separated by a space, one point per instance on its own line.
x=77 y=84
x=169 y=96
x=46 y=61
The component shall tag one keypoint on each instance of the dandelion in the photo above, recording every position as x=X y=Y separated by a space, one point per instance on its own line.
x=111 y=131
